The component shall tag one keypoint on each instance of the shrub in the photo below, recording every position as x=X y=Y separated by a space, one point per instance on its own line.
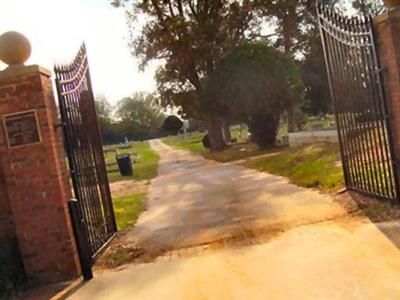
x=172 y=124
x=256 y=83
x=263 y=128
x=206 y=141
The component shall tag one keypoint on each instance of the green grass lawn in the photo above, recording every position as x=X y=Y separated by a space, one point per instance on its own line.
x=238 y=152
x=311 y=123
x=316 y=121
x=144 y=169
x=192 y=142
x=128 y=209
x=316 y=166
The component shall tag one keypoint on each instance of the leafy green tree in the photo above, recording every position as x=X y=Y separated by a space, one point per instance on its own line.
x=312 y=65
x=255 y=83
x=374 y=7
x=314 y=76
x=297 y=35
x=107 y=125
x=103 y=108
x=139 y=116
x=190 y=38
x=292 y=21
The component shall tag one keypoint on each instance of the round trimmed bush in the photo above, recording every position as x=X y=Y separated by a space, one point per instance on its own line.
x=172 y=124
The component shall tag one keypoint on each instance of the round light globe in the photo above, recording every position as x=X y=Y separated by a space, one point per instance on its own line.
x=15 y=48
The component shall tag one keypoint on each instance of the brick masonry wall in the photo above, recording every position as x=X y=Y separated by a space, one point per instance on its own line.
x=7 y=227
x=387 y=30
x=37 y=184
x=8 y=239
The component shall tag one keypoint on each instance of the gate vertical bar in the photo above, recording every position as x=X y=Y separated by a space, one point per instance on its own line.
x=338 y=121
x=85 y=154
x=102 y=164
x=361 y=109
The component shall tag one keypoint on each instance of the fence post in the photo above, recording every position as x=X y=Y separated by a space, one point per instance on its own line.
x=387 y=28
x=34 y=173
x=81 y=239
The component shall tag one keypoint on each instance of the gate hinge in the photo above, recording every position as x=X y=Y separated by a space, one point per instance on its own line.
x=383 y=70
x=58 y=125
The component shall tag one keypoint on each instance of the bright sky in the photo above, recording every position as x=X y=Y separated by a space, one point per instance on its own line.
x=57 y=27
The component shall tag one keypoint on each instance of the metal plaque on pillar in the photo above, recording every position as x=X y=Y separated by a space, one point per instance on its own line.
x=22 y=129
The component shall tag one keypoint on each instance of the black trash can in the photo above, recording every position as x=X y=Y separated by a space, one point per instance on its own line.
x=124 y=164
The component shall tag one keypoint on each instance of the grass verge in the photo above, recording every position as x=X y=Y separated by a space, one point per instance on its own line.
x=316 y=166
x=193 y=143
x=128 y=209
x=144 y=169
x=129 y=195
x=238 y=152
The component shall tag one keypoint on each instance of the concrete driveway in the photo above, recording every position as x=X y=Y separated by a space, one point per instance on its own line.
x=195 y=201
x=307 y=246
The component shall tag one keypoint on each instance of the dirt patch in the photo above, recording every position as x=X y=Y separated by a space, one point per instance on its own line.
x=129 y=187
x=122 y=251
x=376 y=210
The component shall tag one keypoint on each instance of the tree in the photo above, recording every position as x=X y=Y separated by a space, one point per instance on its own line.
x=292 y=21
x=374 y=7
x=254 y=84
x=190 y=38
x=103 y=108
x=297 y=35
x=314 y=76
x=172 y=124
x=104 y=115
x=313 y=64
x=139 y=116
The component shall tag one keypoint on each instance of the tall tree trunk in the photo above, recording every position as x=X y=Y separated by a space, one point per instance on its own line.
x=288 y=43
x=290 y=119
x=227 y=132
x=217 y=141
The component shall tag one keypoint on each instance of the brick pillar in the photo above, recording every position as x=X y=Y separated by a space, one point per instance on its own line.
x=35 y=174
x=8 y=239
x=387 y=29
x=7 y=227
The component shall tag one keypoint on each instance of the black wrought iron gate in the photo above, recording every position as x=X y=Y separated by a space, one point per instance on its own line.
x=85 y=154
x=360 y=103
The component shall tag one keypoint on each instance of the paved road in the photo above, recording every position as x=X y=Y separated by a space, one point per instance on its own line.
x=314 y=250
